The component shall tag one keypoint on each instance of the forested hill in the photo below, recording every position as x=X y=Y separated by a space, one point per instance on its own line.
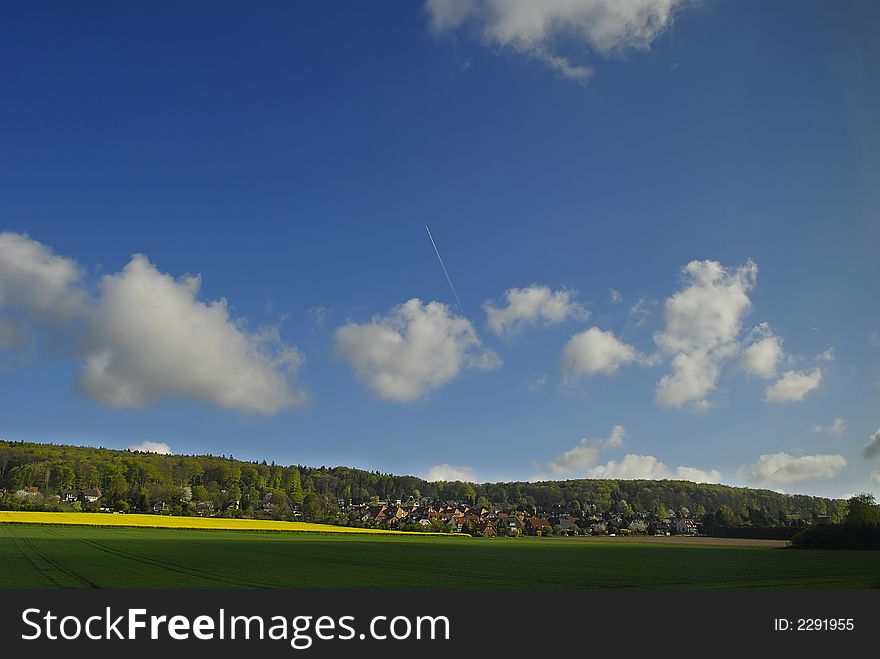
x=222 y=485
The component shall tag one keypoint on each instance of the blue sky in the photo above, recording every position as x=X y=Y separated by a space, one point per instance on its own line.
x=291 y=156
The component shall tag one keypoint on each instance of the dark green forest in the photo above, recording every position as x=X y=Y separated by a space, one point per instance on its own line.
x=42 y=477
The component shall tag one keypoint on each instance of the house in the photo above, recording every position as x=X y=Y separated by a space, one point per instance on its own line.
x=398 y=513
x=69 y=496
x=91 y=495
x=569 y=525
x=686 y=526
x=508 y=525
x=485 y=529
x=537 y=525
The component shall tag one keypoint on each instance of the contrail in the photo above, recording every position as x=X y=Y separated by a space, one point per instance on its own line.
x=439 y=258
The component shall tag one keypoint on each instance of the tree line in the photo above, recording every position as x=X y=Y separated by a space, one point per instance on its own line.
x=222 y=485
x=860 y=528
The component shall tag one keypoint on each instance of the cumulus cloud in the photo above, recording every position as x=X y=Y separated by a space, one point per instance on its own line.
x=583 y=456
x=639 y=467
x=615 y=296
x=535 y=28
x=150 y=338
x=872 y=448
x=764 y=354
x=793 y=386
x=530 y=306
x=596 y=351
x=703 y=321
x=414 y=349
x=785 y=468
x=37 y=288
x=151 y=447
x=698 y=475
x=447 y=472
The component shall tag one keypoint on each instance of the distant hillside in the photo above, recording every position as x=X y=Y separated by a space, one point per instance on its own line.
x=206 y=484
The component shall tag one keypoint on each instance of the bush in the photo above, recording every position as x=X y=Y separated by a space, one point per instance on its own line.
x=839 y=536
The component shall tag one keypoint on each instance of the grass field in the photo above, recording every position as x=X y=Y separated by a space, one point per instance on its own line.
x=65 y=556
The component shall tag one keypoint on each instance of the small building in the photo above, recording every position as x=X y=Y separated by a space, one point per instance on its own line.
x=69 y=496
x=686 y=526
x=485 y=528
x=92 y=495
x=537 y=525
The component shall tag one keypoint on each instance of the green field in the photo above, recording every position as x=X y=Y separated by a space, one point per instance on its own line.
x=35 y=556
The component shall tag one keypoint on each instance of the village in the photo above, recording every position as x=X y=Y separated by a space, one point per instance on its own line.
x=479 y=519
x=457 y=517
x=437 y=517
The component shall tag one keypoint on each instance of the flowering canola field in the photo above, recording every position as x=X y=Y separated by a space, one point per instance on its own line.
x=167 y=522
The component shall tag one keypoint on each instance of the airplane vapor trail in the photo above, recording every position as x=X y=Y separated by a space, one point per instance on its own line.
x=439 y=258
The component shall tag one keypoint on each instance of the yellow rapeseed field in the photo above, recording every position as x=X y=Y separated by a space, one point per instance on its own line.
x=166 y=522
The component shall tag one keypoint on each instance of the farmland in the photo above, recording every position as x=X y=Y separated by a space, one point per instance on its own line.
x=168 y=522
x=69 y=556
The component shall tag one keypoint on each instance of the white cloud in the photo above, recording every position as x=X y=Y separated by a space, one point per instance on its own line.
x=530 y=306
x=703 y=321
x=583 y=456
x=872 y=448
x=596 y=351
x=414 y=349
x=533 y=28
x=827 y=356
x=150 y=338
x=632 y=466
x=36 y=288
x=698 y=475
x=875 y=477
x=838 y=427
x=642 y=310
x=785 y=468
x=793 y=386
x=763 y=356
x=447 y=472
x=638 y=467
x=615 y=296
x=152 y=447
